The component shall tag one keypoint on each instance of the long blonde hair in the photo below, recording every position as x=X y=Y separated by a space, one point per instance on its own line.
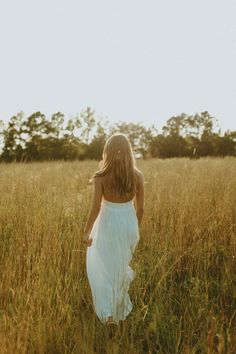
x=118 y=162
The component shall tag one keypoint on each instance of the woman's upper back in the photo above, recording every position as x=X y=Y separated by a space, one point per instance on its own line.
x=112 y=197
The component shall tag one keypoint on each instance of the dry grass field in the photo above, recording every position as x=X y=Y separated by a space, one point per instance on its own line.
x=184 y=292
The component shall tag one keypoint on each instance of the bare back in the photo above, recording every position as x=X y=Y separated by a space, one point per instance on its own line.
x=108 y=195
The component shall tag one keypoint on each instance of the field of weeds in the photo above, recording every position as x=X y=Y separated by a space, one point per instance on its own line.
x=184 y=292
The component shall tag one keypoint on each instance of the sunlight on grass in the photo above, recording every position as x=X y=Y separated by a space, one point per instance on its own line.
x=183 y=294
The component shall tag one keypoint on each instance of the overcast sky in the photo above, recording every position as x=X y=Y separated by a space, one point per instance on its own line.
x=129 y=60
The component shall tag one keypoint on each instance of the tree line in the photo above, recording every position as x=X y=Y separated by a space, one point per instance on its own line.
x=38 y=138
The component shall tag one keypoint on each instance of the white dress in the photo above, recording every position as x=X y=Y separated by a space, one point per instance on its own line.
x=115 y=234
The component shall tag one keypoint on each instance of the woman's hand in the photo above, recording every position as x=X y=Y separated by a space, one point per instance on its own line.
x=87 y=241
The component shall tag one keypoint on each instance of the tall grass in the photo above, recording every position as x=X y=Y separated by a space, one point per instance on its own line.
x=184 y=292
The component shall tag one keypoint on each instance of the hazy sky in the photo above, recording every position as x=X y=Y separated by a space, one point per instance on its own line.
x=132 y=60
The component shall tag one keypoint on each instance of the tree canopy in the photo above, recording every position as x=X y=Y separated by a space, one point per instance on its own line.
x=38 y=138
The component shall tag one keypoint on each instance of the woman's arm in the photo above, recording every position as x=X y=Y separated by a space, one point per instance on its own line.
x=95 y=208
x=139 y=199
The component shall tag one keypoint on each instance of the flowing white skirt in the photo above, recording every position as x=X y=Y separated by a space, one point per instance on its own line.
x=115 y=234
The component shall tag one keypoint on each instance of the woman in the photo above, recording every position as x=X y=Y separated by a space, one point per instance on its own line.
x=112 y=229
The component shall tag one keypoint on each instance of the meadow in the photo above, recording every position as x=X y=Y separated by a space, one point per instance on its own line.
x=184 y=292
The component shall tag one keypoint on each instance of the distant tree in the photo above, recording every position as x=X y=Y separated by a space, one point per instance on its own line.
x=194 y=125
x=12 y=138
x=191 y=136
x=95 y=148
x=73 y=149
x=174 y=126
x=73 y=128
x=56 y=125
x=223 y=146
x=192 y=146
x=36 y=126
x=88 y=122
x=168 y=146
x=36 y=129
